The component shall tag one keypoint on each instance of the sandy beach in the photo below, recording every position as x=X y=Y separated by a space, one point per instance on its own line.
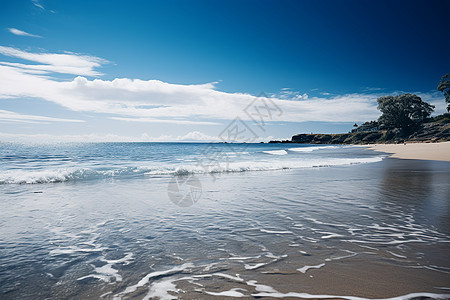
x=424 y=151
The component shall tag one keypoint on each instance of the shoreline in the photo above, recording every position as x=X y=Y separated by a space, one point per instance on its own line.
x=341 y=233
x=421 y=151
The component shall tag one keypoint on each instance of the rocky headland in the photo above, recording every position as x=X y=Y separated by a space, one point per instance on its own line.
x=433 y=130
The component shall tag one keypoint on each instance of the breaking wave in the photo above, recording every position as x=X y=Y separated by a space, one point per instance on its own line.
x=57 y=175
x=276 y=152
x=315 y=148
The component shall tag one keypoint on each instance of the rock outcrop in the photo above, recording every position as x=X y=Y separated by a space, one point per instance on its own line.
x=434 y=130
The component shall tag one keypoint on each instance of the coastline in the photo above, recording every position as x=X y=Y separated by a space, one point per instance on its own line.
x=422 y=151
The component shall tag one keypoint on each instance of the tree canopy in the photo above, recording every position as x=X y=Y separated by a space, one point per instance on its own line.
x=444 y=87
x=403 y=111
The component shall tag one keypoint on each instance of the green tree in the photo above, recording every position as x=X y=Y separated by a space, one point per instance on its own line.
x=403 y=111
x=444 y=87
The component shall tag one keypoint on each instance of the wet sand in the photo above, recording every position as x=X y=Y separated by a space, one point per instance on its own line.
x=360 y=277
x=425 y=151
x=395 y=259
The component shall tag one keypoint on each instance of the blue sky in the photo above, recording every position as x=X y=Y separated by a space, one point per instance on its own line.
x=183 y=70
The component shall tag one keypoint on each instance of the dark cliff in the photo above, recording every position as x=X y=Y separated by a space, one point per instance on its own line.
x=434 y=130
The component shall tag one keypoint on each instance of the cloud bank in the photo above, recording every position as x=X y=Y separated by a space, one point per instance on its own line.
x=67 y=63
x=153 y=101
x=9 y=116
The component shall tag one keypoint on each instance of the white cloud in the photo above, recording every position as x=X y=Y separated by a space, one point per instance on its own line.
x=435 y=98
x=150 y=120
x=22 y=33
x=45 y=69
x=9 y=116
x=196 y=136
x=157 y=101
x=289 y=94
x=372 y=89
x=153 y=99
x=37 y=4
x=68 y=63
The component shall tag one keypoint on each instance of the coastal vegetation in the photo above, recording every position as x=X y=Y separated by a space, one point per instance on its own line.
x=404 y=118
x=444 y=87
x=403 y=111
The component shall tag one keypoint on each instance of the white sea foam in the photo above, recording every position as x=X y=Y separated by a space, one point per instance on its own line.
x=145 y=280
x=73 y=250
x=237 y=153
x=396 y=255
x=160 y=290
x=308 y=239
x=276 y=152
x=105 y=294
x=330 y=235
x=235 y=278
x=63 y=174
x=314 y=148
x=223 y=275
x=209 y=266
x=230 y=293
x=276 y=231
x=306 y=268
x=73 y=174
x=250 y=267
x=266 y=291
x=271 y=255
x=32 y=176
x=107 y=272
x=394 y=242
x=382 y=228
x=243 y=257
x=342 y=257
x=261 y=287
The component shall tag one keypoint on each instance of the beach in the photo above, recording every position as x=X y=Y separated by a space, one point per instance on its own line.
x=165 y=150
x=281 y=221
x=425 y=151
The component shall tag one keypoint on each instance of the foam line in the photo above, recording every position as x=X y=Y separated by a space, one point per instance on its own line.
x=74 y=174
x=276 y=152
x=311 y=149
x=276 y=232
x=231 y=293
x=147 y=278
x=306 y=268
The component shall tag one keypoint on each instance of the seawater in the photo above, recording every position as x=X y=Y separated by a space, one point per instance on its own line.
x=93 y=221
x=27 y=164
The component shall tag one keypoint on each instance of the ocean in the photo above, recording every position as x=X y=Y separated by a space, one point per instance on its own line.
x=200 y=221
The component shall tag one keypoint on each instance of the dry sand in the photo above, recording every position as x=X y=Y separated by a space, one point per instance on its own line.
x=425 y=151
